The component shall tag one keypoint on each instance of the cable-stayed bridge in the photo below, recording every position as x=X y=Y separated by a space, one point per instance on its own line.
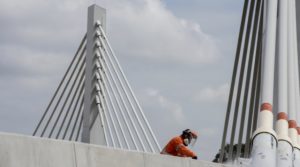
x=95 y=104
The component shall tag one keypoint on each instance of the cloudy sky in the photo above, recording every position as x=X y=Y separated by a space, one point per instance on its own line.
x=177 y=54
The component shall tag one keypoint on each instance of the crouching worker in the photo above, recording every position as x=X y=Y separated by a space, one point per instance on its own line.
x=177 y=146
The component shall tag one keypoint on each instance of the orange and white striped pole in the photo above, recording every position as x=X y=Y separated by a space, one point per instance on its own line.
x=285 y=147
x=264 y=138
x=291 y=80
x=294 y=55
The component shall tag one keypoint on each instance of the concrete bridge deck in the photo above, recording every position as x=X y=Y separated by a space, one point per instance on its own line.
x=27 y=151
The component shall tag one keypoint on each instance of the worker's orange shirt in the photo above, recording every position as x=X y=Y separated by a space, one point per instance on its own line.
x=176 y=147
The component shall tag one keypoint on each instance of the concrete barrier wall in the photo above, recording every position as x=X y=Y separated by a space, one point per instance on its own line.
x=27 y=151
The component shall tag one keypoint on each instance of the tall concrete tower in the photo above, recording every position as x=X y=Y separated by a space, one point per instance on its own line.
x=93 y=131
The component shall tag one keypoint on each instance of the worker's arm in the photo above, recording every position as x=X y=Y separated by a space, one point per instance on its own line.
x=184 y=151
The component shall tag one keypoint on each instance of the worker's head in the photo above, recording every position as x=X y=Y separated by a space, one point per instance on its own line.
x=189 y=137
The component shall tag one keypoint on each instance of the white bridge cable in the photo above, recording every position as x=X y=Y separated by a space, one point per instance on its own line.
x=61 y=96
x=130 y=90
x=296 y=61
x=78 y=116
x=78 y=89
x=60 y=84
x=108 y=110
x=102 y=74
x=255 y=83
x=251 y=60
x=80 y=127
x=104 y=59
x=100 y=77
x=79 y=73
x=109 y=77
x=233 y=79
x=132 y=94
x=100 y=112
x=104 y=108
x=109 y=102
x=242 y=73
x=291 y=67
x=80 y=96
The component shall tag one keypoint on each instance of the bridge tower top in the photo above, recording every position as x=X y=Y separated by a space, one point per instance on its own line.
x=94 y=99
x=95 y=13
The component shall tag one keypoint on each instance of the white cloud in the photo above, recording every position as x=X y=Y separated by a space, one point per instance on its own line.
x=213 y=94
x=173 y=109
x=38 y=39
x=208 y=132
x=140 y=28
x=150 y=30
x=30 y=62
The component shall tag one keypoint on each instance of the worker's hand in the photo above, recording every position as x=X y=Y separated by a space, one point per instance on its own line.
x=195 y=157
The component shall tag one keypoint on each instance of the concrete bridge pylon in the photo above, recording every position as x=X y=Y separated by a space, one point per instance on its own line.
x=94 y=102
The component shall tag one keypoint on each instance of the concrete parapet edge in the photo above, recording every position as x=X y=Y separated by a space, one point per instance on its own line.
x=27 y=151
